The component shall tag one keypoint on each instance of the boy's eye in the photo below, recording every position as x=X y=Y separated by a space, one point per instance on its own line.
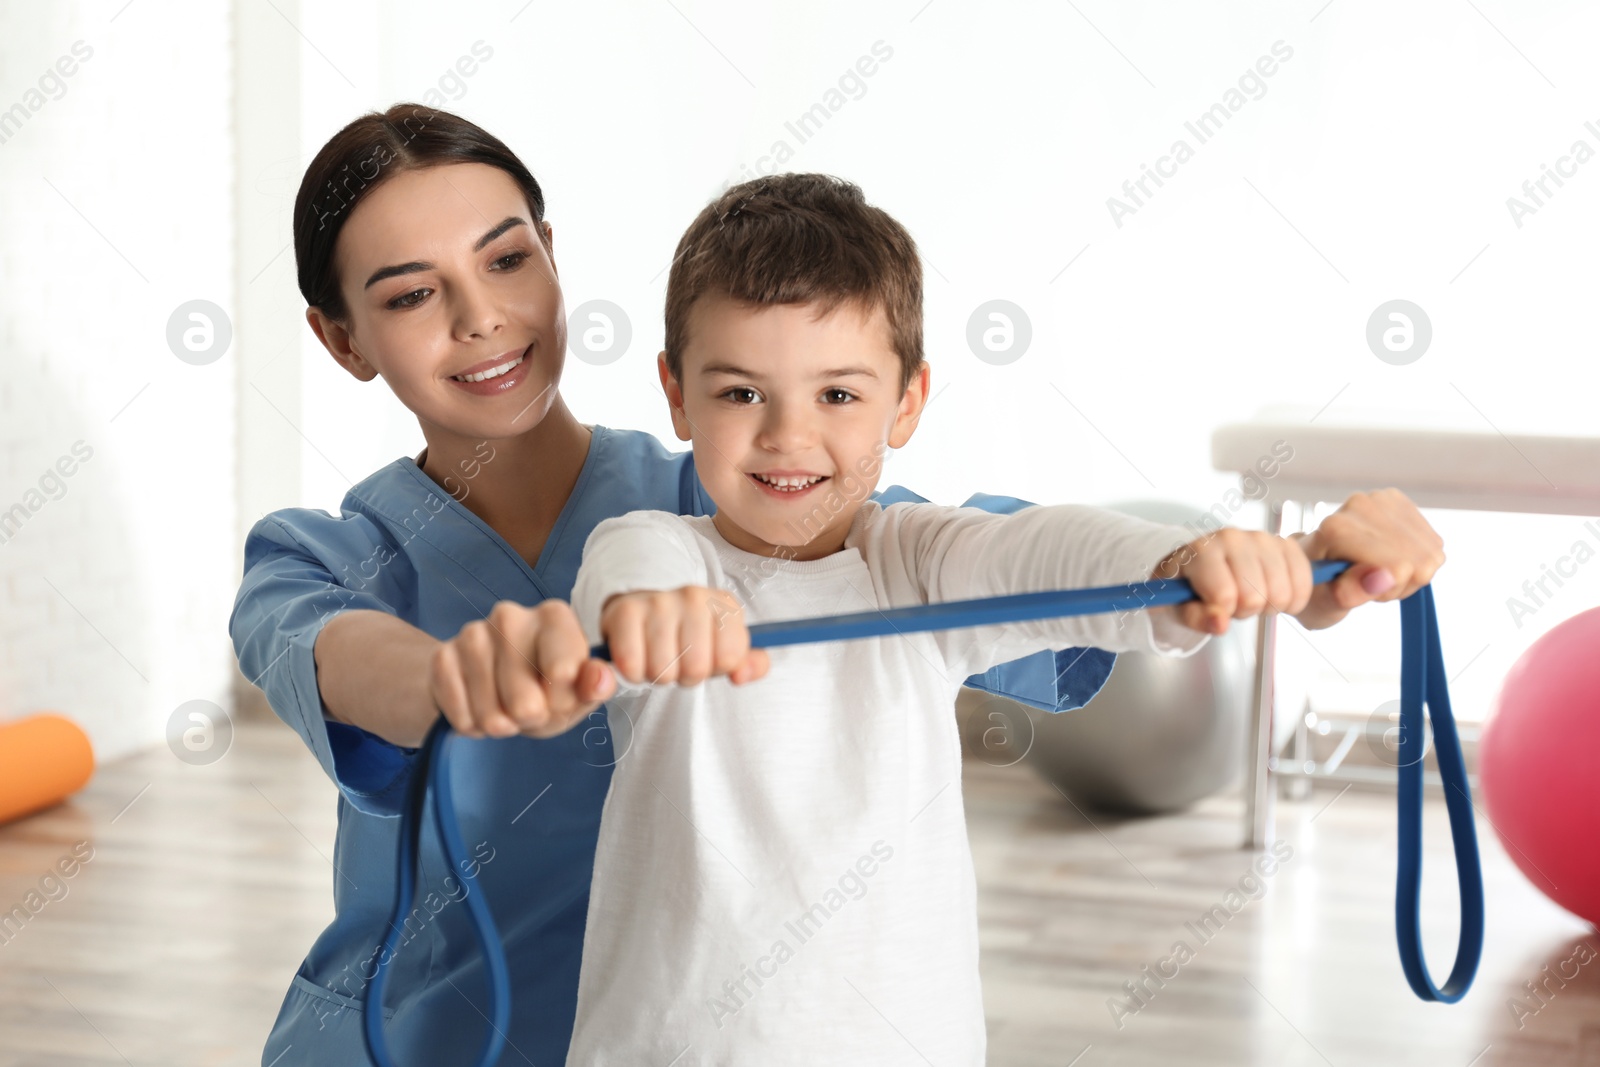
x=843 y=394
x=741 y=394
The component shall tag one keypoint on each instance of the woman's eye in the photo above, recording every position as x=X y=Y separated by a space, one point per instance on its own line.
x=508 y=262
x=407 y=300
x=844 y=394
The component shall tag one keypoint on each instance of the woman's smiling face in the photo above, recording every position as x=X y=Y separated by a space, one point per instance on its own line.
x=445 y=277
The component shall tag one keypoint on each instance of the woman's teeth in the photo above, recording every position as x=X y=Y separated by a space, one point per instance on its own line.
x=790 y=484
x=492 y=372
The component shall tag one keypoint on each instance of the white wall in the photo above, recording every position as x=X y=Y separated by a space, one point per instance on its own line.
x=115 y=208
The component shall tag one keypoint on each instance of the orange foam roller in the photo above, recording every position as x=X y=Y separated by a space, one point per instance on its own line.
x=43 y=760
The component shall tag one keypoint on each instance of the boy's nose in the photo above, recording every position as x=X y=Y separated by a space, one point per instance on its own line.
x=786 y=430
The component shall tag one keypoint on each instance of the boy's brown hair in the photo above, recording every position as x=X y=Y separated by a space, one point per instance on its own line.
x=799 y=239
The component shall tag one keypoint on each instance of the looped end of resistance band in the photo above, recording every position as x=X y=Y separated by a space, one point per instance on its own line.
x=433 y=772
x=1423 y=681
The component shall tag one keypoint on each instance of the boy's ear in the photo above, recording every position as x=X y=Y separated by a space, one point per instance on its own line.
x=670 y=386
x=911 y=405
x=336 y=339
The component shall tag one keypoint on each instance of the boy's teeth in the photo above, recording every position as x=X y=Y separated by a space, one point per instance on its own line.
x=492 y=372
x=789 y=483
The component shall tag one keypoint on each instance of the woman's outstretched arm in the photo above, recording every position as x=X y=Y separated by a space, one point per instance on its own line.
x=362 y=686
x=372 y=670
x=521 y=670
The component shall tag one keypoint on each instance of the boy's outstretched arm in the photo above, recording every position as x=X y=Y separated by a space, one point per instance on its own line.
x=1057 y=680
x=1393 y=549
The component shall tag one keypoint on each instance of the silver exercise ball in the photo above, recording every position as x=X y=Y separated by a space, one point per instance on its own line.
x=1164 y=731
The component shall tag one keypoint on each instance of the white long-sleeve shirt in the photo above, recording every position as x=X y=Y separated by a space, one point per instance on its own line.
x=783 y=875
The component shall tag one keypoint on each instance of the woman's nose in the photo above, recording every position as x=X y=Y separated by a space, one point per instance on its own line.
x=477 y=313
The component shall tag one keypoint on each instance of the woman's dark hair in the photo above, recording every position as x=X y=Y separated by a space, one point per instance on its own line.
x=360 y=157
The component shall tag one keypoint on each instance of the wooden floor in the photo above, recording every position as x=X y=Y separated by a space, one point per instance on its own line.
x=174 y=943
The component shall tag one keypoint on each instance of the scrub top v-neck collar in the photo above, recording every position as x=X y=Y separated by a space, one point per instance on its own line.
x=598 y=438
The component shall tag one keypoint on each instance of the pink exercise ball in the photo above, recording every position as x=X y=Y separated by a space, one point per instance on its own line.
x=1538 y=759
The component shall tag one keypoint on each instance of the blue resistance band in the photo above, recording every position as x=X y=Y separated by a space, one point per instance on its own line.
x=433 y=772
x=1422 y=682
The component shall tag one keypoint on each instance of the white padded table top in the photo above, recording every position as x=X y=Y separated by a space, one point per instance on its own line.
x=1445 y=468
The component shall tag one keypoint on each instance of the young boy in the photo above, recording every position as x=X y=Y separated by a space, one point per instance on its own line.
x=783 y=873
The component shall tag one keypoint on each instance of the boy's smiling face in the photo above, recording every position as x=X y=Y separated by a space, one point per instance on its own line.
x=779 y=394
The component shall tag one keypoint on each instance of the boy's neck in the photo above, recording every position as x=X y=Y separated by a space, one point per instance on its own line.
x=515 y=484
x=826 y=543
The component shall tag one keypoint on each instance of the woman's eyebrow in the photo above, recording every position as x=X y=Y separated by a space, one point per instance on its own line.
x=508 y=223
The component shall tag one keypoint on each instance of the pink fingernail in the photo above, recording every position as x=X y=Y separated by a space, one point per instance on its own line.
x=1378 y=581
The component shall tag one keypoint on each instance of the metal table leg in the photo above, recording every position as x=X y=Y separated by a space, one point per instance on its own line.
x=1258 y=795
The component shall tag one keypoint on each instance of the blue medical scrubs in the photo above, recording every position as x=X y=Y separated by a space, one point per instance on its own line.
x=529 y=809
